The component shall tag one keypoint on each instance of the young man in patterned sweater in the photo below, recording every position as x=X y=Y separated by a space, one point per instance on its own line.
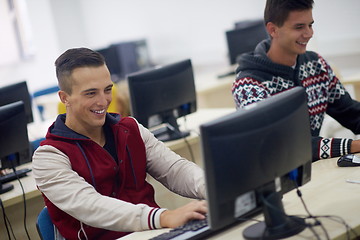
x=282 y=62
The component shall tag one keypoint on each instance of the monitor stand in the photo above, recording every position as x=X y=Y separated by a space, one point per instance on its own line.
x=277 y=224
x=169 y=133
x=170 y=130
x=227 y=74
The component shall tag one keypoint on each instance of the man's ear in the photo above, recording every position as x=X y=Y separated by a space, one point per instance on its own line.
x=64 y=97
x=271 y=29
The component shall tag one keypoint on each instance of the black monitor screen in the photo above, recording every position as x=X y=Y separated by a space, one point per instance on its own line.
x=14 y=141
x=163 y=94
x=112 y=60
x=254 y=154
x=126 y=57
x=17 y=92
x=244 y=38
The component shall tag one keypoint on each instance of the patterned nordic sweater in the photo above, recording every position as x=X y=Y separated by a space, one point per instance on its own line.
x=258 y=78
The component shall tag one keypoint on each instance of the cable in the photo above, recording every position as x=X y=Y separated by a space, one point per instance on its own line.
x=5 y=219
x=190 y=149
x=194 y=131
x=7 y=222
x=342 y=221
x=317 y=222
x=267 y=203
x=185 y=122
x=187 y=142
x=24 y=198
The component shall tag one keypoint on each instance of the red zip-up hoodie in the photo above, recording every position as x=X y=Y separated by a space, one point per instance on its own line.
x=124 y=179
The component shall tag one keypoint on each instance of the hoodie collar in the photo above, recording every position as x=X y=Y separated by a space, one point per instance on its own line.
x=258 y=61
x=60 y=129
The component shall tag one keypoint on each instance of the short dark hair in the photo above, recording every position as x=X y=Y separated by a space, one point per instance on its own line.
x=277 y=11
x=72 y=59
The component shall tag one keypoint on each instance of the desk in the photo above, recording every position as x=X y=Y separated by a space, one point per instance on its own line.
x=163 y=196
x=212 y=92
x=353 y=80
x=14 y=207
x=13 y=201
x=327 y=193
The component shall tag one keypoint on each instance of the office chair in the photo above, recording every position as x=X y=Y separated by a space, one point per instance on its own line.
x=45 y=226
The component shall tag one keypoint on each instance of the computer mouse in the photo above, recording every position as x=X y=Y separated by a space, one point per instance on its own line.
x=348 y=160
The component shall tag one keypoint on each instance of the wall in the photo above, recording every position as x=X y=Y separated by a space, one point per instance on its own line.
x=38 y=70
x=174 y=29
x=185 y=28
x=337 y=29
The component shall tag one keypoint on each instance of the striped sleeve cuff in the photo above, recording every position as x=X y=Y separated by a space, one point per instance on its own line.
x=152 y=221
x=334 y=147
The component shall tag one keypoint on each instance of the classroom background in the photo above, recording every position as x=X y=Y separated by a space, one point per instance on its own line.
x=174 y=30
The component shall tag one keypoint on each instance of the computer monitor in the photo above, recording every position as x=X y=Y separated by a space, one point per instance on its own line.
x=126 y=57
x=244 y=38
x=252 y=157
x=14 y=142
x=161 y=95
x=17 y=92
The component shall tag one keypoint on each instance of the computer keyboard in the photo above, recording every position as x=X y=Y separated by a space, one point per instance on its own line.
x=194 y=229
x=160 y=131
x=227 y=74
x=8 y=177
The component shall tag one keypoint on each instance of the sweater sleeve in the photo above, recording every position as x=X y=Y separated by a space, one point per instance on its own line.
x=72 y=194
x=174 y=172
x=347 y=112
x=340 y=104
x=248 y=90
x=323 y=148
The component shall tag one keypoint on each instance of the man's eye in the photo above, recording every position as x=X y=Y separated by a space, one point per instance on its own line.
x=90 y=93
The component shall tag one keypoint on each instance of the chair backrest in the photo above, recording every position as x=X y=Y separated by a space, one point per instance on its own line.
x=45 y=226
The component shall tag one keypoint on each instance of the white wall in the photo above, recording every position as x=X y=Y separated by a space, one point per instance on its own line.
x=178 y=29
x=8 y=44
x=39 y=70
x=174 y=29
x=337 y=27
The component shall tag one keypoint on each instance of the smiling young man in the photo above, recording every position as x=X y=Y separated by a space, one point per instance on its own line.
x=282 y=62
x=92 y=167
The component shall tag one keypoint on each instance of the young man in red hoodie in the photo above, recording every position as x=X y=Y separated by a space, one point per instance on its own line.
x=91 y=169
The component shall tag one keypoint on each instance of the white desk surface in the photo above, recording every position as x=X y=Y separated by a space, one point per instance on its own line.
x=193 y=121
x=15 y=196
x=352 y=79
x=327 y=193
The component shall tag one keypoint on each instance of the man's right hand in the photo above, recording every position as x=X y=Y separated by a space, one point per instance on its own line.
x=180 y=216
x=355 y=146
